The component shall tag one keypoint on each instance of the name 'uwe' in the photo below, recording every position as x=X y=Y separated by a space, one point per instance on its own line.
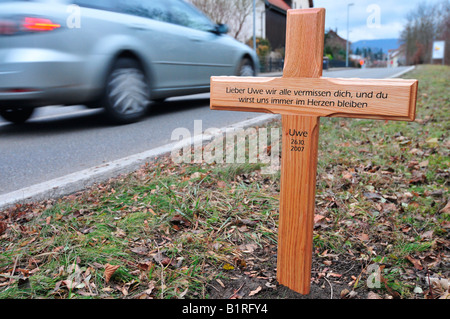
x=294 y=132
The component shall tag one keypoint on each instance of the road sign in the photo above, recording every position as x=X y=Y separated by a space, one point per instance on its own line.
x=438 y=50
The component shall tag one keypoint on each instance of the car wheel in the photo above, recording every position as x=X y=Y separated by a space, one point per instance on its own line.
x=17 y=115
x=127 y=93
x=246 y=68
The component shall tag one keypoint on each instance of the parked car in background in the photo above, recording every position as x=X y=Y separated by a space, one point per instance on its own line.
x=115 y=54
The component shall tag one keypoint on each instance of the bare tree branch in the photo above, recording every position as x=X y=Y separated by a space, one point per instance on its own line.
x=234 y=13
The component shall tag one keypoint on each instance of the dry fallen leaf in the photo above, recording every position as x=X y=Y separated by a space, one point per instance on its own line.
x=254 y=292
x=248 y=248
x=3 y=227
x=220 y=283
x=347 y=294
x=109 y=271
x=318 y=218
x=439 y=288
x=363 y=237
x=196 y=175
x=164 y=260
x=179 y=221
x=446 y=209
x=373 y=295
x=415 y=262
x=119 y=233
x=433 y=142
x=221 y=184
x=347 y=175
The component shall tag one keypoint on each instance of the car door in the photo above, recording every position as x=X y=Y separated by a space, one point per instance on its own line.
x=162 y=45
x=207 y=51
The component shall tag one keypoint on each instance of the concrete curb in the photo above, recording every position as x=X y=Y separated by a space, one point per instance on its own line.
x=396 y=75
x=81 y=180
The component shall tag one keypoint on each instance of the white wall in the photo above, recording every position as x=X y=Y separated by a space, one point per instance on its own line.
x=300 y=4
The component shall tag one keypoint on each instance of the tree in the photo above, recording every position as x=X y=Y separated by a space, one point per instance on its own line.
x=234 y=13
x=425 y=24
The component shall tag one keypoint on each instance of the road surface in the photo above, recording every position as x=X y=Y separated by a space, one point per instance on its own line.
x=62 y=140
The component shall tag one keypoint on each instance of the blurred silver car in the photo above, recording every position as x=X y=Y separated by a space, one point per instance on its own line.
x=115 y=54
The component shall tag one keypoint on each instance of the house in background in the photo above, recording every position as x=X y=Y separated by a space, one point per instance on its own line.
x=335 y=46
x=271 y=17
x=270 y=25
x=275 y=17
x=396 y=57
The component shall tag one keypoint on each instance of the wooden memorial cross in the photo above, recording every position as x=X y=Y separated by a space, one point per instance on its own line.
x=302 y=96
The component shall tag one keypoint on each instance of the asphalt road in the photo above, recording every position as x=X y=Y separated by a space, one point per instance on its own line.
x=59 y=141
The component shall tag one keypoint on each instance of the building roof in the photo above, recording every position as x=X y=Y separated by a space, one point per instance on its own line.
x=280 y=4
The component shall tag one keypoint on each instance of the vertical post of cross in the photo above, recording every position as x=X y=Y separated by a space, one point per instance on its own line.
x=300 y=140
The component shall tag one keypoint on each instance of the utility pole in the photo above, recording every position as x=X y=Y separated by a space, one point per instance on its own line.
x=348 y=32
x=254 y=25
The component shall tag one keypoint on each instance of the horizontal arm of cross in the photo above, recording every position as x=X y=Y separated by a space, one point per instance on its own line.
x=388 y=99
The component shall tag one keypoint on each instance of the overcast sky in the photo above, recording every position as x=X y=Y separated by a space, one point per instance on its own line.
x=386 y=18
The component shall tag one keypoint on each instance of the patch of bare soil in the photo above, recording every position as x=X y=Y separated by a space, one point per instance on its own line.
x=258 y=281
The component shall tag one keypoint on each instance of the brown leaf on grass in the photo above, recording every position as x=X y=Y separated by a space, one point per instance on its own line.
x=373 y=295
x=221 y=184
x=417 y=177
x=147 y=293
x=439 y=288
x=220 y=283
x=249 y=222
x=424 y=163
x=427 y=234
x=3 y=227
x=318 y=218
x=179 y=221
x=164 y=260
x=346 y=294
x=347 y=175
x=109 y=271
x=145 y=265
x=363 y=237
x=196 y=175
x=388 y=207
x=416 y=263
x=140 y=250
x=254 y=292
x=248 y=248
x=444 y=210
x=120 y=233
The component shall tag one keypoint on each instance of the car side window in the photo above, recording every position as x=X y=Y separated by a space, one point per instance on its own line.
x=152 y=9
x=98 y=4
x=186 y=15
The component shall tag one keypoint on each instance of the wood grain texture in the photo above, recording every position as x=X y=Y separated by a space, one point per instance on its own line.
x=304 y=43
x=304 y=58
x=384 y=99
x=297 y=202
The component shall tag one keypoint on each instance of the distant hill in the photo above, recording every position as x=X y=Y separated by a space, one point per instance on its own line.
x=384 y=44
